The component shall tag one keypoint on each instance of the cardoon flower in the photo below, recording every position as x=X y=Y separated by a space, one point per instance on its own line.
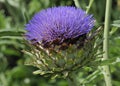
x=53 y=29
x=58 y=26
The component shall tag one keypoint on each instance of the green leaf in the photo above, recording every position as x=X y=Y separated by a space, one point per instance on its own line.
x=26 y=17
x=107 y=62
x=8 y=32
x=116 y=23
x=91 y=77
x=114 y=29
x=41 y=72
x=11 y=42
x=12 y=37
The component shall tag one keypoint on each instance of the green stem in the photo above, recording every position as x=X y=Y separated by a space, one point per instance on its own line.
x=106 y=69
x=89 y=6
x=77 y=3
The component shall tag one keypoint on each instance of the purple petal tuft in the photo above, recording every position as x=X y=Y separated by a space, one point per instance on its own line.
x=58 y=23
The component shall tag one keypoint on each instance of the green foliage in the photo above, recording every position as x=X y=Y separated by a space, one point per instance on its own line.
x=116 y=23
x=14 y=14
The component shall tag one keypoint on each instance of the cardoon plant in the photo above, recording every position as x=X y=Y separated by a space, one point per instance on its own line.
x=61 y=41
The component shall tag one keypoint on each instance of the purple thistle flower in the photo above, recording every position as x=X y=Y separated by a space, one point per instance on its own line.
x=58 y=24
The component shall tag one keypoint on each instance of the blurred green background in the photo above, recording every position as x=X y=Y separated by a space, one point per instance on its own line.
x=13 y=17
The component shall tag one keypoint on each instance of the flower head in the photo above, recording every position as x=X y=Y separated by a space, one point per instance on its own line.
x=51 y=30
x=58 y=24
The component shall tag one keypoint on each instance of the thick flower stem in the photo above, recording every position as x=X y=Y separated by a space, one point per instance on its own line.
x=106 y=70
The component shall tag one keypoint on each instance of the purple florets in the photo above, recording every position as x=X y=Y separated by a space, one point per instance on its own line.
x=58 y=23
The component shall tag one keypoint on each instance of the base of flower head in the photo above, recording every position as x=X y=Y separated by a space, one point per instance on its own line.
x=57 y=45
x=62 y=62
